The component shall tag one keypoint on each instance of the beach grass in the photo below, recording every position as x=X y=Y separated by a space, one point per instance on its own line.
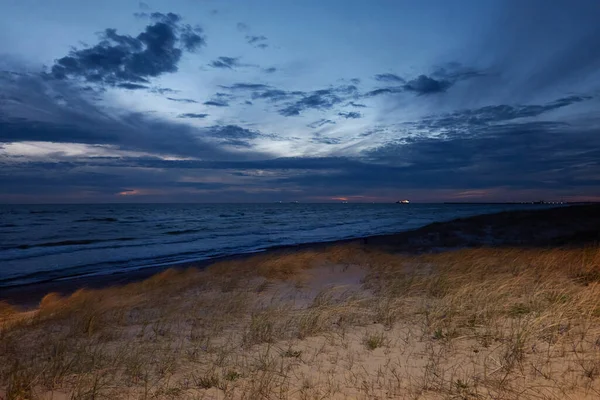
x=341 y=322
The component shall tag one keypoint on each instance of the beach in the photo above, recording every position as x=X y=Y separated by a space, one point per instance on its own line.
x=494 y=306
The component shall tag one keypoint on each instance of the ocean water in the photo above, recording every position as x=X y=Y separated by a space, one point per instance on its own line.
x=48 y=242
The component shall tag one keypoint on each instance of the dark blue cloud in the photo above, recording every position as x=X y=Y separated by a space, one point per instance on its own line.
x=132 y=86
x=318 y=138
x=274 y=95
x=192 y=115
x=127 y=60
x=181 y=100
x=164 y=90
x=388 y=90
x=216 y=103
x=246 y=86
x=323 y=99
x=467 y=120
x=225 y=62
x=320 y=123
x=388 y=77
x=234 y=135
x=320 y=99
x=297 y=101
x=439 y=81
x=350 y=115
x=242 y=27
x=219 y=100
x=257 y=41
x=357 y=105
x=426 y=85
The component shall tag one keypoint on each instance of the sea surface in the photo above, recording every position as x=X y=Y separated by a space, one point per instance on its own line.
x=48 y=242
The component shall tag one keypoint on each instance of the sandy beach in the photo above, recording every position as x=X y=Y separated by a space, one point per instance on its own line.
x=500 y=306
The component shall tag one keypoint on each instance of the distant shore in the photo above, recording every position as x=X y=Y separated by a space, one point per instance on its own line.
x=559 y=226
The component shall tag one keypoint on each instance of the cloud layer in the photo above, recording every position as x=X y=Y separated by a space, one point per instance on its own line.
x=242 y=109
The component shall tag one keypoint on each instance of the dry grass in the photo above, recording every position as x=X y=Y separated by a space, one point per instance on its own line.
x=469 y=324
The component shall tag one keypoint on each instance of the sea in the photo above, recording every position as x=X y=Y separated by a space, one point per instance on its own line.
x=41 y=243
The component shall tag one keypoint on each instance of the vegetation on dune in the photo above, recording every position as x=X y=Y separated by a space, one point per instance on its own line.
x=498 y=323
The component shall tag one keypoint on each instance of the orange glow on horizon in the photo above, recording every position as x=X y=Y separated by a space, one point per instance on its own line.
x=132 y=192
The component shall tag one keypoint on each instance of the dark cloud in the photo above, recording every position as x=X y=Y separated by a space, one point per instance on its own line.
x=274 y=95
x=216 y=103
x=388 y=90
x=318 y=138
x=270 y=70
x=219 y=100
x=355 y=81
x=374 y=131
x=192 y=115
x=320 y=123
x=350 y=115
x=181 y=100
x=234 y=135
x=164 y=91
x=388 y=77
x=357 y=105
x=124 y=59
x=225 y=62
x=247 y=86
x=440 y=80
x=347 y=90
x=242 y=27
x=255 y=39
x=297 y=101
x=532 y=155
x=426 y=85
x=466 y=120
x=323 y=99
x=131 y=86
x=456 y=72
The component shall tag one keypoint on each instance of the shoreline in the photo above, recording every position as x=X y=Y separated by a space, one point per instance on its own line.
x=578 y=225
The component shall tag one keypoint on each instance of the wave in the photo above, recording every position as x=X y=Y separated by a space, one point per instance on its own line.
x=183 y=232
x=107 y=219
x=70 y=243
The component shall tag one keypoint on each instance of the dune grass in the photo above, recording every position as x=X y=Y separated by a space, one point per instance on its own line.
x=500 y=323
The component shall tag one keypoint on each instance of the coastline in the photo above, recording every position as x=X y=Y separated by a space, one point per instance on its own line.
x=556 y=226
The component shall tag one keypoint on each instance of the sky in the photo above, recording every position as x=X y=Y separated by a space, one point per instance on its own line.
x=311 y=101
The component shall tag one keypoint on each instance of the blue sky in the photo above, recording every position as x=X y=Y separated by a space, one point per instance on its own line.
x=211 y=101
